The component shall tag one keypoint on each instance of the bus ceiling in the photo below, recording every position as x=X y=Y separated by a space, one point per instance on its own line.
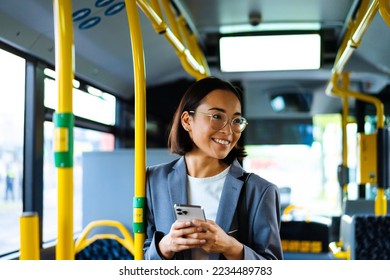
x=108 y=63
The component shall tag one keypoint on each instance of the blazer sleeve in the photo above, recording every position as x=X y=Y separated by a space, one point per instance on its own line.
x=264 y=222
x=151 y=251
x=152 y=237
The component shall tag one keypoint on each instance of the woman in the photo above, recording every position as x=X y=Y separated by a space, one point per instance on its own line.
x=205 y=131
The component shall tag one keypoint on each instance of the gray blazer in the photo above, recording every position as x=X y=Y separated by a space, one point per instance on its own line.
x=166 y=186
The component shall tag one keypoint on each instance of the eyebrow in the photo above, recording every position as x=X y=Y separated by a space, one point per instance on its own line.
x=224 y=111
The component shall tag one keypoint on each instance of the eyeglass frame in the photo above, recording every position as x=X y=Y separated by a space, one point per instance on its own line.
x=227 y=119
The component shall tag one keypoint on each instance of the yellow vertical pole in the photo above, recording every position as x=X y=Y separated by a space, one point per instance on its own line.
x=140 y=128
x=380 y=202
x=344 y=123
x=29 y=236
x=380 y=198
x=64 y=122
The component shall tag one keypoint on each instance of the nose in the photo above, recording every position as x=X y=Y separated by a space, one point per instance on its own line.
x=227 y=128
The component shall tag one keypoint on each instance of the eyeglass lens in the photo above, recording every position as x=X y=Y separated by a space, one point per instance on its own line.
x=219 y=120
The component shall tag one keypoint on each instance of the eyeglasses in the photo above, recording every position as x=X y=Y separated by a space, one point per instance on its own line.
x=219 y=121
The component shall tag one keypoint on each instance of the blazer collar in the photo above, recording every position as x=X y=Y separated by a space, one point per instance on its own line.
x=177 y=182
x=177 y=188
x=229 y=200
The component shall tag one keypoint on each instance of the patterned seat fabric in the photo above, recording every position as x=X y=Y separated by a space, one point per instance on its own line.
x=104 y=249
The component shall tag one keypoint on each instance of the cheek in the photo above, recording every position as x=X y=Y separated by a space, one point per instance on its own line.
x=201 y=128
x=236 y=137
x=201 y=134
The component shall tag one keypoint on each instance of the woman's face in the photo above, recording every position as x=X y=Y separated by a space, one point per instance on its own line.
x=211 y=142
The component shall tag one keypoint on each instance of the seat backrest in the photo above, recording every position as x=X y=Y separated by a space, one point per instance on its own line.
x=372 y=237
x=104 y=246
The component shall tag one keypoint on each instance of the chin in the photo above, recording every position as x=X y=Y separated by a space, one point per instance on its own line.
x=221 y=156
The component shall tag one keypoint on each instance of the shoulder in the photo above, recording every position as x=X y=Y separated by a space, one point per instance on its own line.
x=257 y=183
x=162 y=167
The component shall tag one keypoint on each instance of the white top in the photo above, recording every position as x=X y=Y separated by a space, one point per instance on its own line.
x=206 y=192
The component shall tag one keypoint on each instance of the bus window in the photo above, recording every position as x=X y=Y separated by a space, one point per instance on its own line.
x=12 y=91
x=93 y=105
x=85 y=140
x=309 y=171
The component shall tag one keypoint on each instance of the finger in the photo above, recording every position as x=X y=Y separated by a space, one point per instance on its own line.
x=199 y=223
x=187 y=243
x=179 y=225
x=177 y=233
x=202 y=237
x=209 y=225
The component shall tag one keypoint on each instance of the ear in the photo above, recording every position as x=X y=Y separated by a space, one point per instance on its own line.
x=186 y=121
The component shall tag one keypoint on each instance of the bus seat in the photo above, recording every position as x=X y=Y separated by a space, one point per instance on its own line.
x=104 y=246
x=303 y=233
x=365 y=237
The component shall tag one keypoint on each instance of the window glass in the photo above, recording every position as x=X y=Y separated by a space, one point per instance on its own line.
x=306 y=175
x=12 y=91
x=85 y=140
x=94 y=105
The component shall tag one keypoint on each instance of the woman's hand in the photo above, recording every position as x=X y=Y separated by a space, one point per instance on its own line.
x=182 y=236
x=217 y=241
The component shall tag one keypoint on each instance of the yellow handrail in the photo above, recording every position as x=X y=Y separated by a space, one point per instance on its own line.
x=192 y=43
x=171 y=18
x=380 y=201
x=384 y=9
x=355 y=32
x=140 y=127
x=337 y=252
x=352 y=40
x=64 y=122
x=29 y=236
x=189 y=63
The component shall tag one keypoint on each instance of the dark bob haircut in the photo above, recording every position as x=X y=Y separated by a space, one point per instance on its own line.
x=179 y=141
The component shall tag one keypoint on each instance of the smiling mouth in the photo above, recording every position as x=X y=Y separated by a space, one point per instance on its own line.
x=222 y=142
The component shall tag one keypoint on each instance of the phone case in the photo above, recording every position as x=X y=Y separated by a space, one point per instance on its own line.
x=189 y=212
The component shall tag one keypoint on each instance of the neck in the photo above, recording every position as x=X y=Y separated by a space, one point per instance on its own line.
x=201 y=167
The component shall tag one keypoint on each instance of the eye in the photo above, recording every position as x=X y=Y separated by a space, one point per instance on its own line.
x=217 y=116
x=238 y=121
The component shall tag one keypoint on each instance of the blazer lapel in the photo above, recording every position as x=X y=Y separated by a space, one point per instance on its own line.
x=177 y=183
x=177 y=187
x=228 y=203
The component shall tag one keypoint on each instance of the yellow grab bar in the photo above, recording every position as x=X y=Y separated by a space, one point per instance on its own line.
x=189 y=63
x=333 y=88
x=29 y=236
x=140 y=128
x=384 y=10
x=355 y=33
x=64 y=123
x=337 y=252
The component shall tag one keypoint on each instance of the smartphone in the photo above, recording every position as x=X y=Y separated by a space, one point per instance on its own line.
x=186 y=212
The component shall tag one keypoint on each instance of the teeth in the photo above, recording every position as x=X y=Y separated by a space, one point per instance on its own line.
x=220 y=141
